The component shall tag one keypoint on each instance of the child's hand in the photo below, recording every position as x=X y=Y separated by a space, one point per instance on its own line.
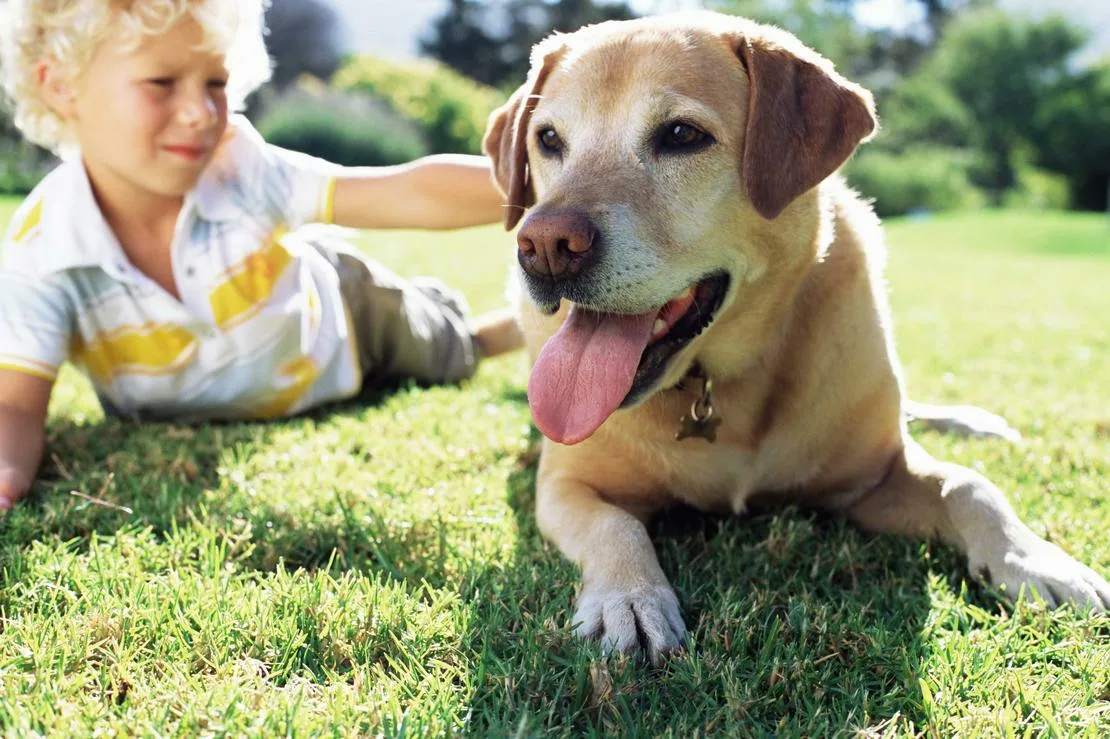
x=23 y=402
x=13 y=486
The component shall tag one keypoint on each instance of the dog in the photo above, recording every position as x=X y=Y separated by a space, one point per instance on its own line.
x=705 y=313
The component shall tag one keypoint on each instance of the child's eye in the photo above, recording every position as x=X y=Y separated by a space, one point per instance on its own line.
x=217 y=84
x=161 y=81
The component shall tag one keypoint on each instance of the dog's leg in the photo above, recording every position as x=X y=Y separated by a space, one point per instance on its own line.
x=924 y=497
x=964 y=420
x=626 y=601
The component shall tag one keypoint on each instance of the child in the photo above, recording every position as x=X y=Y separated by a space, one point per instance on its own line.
x=163 y=256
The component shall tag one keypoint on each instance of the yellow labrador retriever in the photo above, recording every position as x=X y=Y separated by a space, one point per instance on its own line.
x=706 y=313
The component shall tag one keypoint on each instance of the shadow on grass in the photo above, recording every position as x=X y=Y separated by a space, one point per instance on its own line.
x=101 y=475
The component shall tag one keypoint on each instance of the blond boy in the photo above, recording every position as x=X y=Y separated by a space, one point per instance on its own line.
x=165 y=256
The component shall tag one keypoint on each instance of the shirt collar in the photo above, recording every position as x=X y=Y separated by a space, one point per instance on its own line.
x=80 y=237
x=211 y=196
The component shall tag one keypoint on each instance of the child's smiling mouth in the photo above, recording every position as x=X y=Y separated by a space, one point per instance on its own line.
x=191 y=153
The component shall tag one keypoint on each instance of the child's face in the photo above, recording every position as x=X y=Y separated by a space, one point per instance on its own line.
x=151 y=117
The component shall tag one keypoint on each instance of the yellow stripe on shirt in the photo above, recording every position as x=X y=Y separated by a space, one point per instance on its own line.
x=30 y=223
x=327 y=207
x=315 y=311
x=296 y=377
x=251 y=283
x=151 y=349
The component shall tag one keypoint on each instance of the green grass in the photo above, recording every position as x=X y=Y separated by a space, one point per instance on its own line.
x=375 y=569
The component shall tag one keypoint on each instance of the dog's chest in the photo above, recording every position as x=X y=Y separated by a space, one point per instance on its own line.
x=710 y=476
x=713 y=475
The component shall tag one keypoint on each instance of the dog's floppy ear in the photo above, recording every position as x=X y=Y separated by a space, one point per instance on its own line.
x=804 y=119
x=505 y=141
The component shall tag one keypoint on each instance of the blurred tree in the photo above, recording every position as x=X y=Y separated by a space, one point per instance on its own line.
x=1072 y=131
x=1003 y=69
x=938 y=13
x=450 y=108
x=491 y=40
x=923 y=109
x=876 y=56
x=305 y=37
x=8 y=131
x=460 y=39
x=824 y=25
x=22 y=164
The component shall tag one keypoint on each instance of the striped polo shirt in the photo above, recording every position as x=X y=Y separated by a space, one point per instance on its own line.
x=260 y=329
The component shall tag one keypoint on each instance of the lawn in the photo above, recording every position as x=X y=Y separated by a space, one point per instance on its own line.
x=375 y=569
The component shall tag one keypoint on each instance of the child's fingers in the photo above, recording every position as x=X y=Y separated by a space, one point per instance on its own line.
x=12 y=488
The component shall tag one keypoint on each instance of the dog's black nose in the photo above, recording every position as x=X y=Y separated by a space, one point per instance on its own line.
x=555 y=244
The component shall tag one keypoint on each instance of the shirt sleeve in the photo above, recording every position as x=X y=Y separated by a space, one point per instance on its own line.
x=36 y=323
x=292 y=187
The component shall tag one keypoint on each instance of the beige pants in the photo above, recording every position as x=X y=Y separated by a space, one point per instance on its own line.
x=405 y=328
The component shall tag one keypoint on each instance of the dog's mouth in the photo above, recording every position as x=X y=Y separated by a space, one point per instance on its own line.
x=598 y=362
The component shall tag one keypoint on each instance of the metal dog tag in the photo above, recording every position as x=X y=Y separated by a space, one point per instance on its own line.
x=700 y=421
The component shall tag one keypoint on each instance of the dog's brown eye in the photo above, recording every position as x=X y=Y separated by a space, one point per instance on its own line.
x=550 y=141
x=682 y=137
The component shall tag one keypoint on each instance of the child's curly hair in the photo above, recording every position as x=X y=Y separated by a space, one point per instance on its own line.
x=70 y=31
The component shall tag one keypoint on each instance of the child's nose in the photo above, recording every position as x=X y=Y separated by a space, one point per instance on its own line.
x=198 y=109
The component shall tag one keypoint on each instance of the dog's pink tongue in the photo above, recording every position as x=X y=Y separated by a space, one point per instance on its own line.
x=585 y=371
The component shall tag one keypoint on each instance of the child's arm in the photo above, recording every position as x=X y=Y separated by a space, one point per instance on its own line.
x=436 y=192
x=23 y=402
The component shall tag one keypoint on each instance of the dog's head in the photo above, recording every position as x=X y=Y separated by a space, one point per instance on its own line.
x=663 y=163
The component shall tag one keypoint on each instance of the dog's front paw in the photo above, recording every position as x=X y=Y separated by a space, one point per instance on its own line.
x=1035 y=565
x=625 y=619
